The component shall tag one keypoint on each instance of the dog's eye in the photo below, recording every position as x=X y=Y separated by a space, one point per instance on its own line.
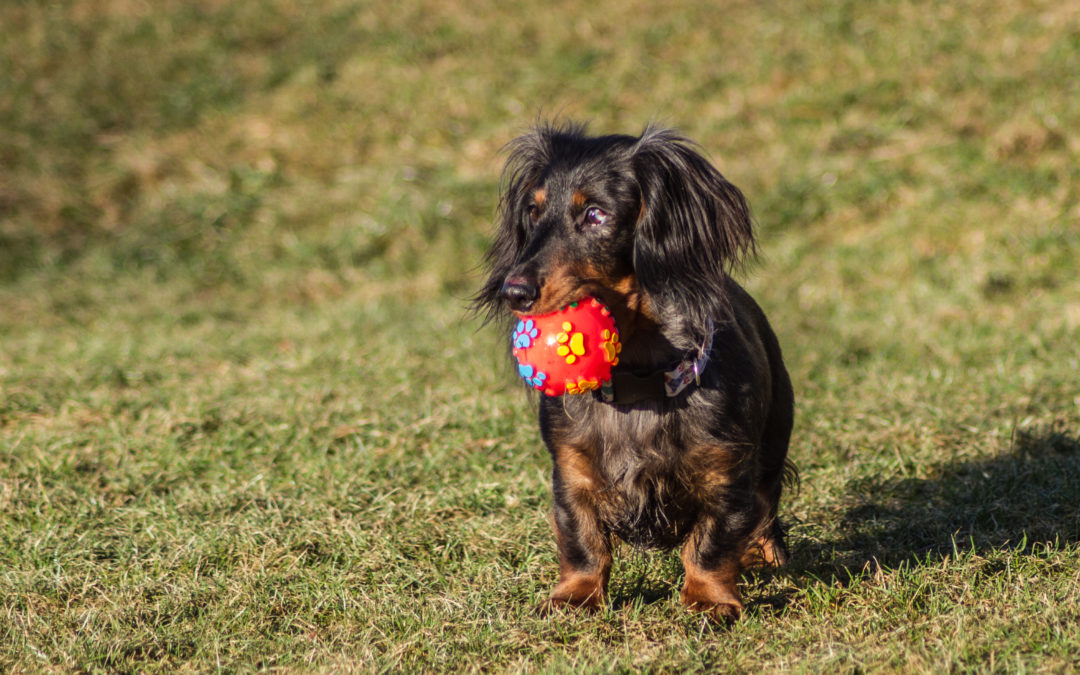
x=595 y=216
x=534 y=213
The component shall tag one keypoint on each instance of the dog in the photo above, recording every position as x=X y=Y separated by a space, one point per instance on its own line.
x=652 y=229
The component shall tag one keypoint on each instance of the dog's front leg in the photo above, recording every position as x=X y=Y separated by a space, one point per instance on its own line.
x=712 y=560
x=584 y=545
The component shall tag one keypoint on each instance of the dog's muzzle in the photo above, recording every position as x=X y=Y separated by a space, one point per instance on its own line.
x=520 y=293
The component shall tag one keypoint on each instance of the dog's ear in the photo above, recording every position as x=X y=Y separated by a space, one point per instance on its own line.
x=527 y=157
x=694 y=228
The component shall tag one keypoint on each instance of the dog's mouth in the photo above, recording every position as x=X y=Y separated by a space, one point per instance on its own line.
x=552 y=300
x=531 y=296
x=566 y=285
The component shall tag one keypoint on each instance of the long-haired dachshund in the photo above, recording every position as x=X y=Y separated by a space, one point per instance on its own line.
x=648 y=226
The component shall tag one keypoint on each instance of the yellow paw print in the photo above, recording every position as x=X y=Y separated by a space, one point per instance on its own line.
x=611 y=346
x=571 y=344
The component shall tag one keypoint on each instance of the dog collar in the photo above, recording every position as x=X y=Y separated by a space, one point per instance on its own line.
x=626 y=387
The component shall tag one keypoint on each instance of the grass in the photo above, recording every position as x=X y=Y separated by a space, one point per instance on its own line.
x=247 y=424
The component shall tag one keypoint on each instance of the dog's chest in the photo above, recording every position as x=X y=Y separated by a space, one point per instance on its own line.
x=645 y=482
x=647 y=508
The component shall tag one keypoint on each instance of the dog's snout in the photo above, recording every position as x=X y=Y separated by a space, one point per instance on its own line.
x=520 y=293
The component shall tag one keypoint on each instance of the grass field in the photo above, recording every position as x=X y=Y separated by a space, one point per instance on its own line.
x=247 y=423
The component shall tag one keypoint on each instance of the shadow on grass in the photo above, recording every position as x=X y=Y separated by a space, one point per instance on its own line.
x=1028 y=496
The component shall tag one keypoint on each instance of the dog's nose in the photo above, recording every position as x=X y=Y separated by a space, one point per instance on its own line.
x=520 y=293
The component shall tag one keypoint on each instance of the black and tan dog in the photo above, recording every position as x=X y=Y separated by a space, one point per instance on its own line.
x=652 y=229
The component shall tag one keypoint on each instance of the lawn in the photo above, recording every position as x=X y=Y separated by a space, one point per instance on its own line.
x=248 y=423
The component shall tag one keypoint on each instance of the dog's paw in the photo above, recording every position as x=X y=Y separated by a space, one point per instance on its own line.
x=720 y=604
x=767 y=551
x=554 y=605
x=723 y=613
x=580 y=592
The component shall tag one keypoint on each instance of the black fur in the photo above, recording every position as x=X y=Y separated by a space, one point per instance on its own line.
x=651 y=228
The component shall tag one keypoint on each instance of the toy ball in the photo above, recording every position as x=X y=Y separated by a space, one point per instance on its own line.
x=570 y=351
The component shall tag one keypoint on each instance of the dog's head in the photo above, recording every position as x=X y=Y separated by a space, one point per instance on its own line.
x=589 y=215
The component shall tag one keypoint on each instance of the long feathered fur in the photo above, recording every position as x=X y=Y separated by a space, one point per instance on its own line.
x=703 y=470
x=696 y=226
x=694 y=230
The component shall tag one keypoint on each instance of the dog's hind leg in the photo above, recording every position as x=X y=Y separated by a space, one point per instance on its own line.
x=767 y=546
x=775 y=470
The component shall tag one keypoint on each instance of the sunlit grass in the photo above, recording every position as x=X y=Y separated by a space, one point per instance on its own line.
x=246 y=421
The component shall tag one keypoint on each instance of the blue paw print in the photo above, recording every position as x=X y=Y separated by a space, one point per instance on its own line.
x=525 y=333
x=532 y=375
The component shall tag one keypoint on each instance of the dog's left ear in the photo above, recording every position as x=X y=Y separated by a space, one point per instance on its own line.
x=695 y=226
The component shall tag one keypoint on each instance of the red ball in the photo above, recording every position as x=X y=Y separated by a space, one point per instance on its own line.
x=570 y=351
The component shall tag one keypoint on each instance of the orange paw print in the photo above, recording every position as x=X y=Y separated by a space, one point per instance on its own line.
x=581 y=386
x=571 y=344
x=611 y=346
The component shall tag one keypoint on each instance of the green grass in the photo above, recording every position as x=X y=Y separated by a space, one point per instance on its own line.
x=246 y=422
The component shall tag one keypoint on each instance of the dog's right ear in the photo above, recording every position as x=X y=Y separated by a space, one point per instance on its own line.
x=527 y=157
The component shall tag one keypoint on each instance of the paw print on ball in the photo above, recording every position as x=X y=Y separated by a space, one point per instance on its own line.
x=581 y=386
x=569 y=351
x=525 y=333
x=611 y=346
x=571 y=344
x=532 y=375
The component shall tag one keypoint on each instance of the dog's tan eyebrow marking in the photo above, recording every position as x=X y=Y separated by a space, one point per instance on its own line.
x=578 y=199
x=539 y=196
